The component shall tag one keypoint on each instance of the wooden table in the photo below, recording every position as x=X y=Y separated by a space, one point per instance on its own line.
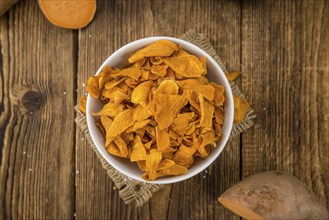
x=47 y=169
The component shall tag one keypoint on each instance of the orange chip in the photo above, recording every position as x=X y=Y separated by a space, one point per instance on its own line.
x=157 y=49
x=181 y=122
x=173 y=171
x=113 y=149
x=122 y=146
x=206 y=139
x=106 y=75
x=141 y=92
x=92 y=87
x=110 y=109
x=137 y=125
x=207 y=111
x=114 y=82
x=120 y=123
x=82 y=104
x=141 y=113
x=206 y=91
x=160 y=70
x=184 y=155
x=115 y=95
x=132 y=72
x=219 y=97
x=138 y=151
x=168 y=87
x=163 y=141
x=240 y=109
x=142 y=165
x=152 y=162
x=106 y=122
x=233 y=75
x=165 y=108
x=187 y=65
x=165 y=164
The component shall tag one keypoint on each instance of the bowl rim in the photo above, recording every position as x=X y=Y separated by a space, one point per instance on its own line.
x=223 y=141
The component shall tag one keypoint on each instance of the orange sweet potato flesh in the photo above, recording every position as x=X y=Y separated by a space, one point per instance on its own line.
x=70 y=14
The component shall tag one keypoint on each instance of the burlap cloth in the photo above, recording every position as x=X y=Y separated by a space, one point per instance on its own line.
x=132 y=191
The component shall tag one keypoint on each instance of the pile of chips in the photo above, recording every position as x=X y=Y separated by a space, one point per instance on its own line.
x=159 y=111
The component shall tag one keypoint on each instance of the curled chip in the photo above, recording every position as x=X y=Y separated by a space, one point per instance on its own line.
x=160 y=111
x=233 y=75
x=240 y=109
x=82 y=104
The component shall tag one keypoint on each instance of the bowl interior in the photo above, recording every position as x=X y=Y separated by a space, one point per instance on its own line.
x=215 y=74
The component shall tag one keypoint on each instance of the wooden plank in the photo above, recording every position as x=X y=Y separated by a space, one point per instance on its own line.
x=285 y=61
x=36 y=116
x=117 y=23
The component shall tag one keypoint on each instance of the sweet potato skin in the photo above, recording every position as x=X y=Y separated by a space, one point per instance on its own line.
x=274 y=195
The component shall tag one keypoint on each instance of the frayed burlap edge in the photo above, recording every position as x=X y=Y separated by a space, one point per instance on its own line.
x=132 y=191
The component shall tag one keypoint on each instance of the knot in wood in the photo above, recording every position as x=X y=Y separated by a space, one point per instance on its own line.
x=31 y=100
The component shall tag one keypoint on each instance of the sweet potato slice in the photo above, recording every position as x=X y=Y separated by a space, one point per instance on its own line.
x=69 y=14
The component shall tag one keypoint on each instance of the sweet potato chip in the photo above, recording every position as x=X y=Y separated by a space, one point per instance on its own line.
x=163 y=141
x=165 y=164
x=142 y=165
x=207 y=111
x=122 y=146
x=184 y=155
x=138 y=151
x=152 y=162
x=206 y=91
x=137 y=125
x=115 y=95
x=141 y=113
x=141 y=92
x=93 y=87
x=114 y=82
x=233 y=75
x=206 y=139
x=82 y=104
x=160 y=70
x=173 y=171
x=181 y=122
x=161 y=48
x=132 y=72
x=219 y=97
x=240 y=109
x=113 y=149
x=121 y=122
x=168 y=87
x=106 y=122
x=110 y=109
x=106 y=75
x=187 y=65
x=165 y=108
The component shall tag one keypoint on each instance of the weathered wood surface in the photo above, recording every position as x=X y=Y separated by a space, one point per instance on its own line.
x=37 y=68
x=285 y=58
x=47 y=169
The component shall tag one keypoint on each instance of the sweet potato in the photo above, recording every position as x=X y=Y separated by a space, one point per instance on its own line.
x=273 y=195
x=69 y=14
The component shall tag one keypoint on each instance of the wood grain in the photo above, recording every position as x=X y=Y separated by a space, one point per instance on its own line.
x=48 y=171
x=36 y=122
x=195 y=198
x=285 y=62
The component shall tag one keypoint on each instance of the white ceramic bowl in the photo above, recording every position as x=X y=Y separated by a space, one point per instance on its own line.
x=215 y=74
